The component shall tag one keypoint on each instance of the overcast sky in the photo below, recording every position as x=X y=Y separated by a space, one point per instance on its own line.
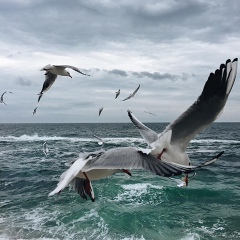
x=169 y=47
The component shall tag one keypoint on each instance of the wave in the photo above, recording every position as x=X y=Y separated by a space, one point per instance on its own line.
x=36 y=137
x=214 y=141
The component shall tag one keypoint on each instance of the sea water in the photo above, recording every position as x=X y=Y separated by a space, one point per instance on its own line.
x=143 y=206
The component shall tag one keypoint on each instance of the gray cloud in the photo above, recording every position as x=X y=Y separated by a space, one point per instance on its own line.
x=145 y=74
x=118 y=72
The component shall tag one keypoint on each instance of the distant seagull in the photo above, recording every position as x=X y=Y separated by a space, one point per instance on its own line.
x=100 y=111
x=1 y=100
x=45 y=149
x=52 y=71
x=101 y=141
x=10 y=92
x=150 y=113
x=132 y=95
x=117 y=93
x=35 y=110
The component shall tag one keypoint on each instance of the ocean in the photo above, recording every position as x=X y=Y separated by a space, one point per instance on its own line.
x=143 y=206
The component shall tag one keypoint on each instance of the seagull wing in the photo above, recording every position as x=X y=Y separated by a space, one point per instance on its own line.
x=148 y=134
x=136 y=90
x=72 y=67
x=49 y=80
x=100 y=111
x=132 y=158
x=2 y=96
x=69 y=175
x=208 y=106
x=130 y=96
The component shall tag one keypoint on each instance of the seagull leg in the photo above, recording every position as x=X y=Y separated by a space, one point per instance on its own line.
x=127 y=172
x=185 y=179
x=160 y=155
x=88 y=187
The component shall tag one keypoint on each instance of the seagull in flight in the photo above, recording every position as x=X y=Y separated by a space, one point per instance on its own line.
x=132 y=94
x=100 y=111
x=150 y=113
x=171 y=144
x=45 y=148
x=52 y=71
x=35 y=110
x=117 y=93
x=1 y=99
x=166 y=154
x=100 y=140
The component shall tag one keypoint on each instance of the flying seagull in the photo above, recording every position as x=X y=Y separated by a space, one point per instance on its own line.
x=100 y=111
x=171 y=144
x=117 y=93
x=52 y=71
x=150 y=113
x=35 y=110
x=100 y=140
x=1 y=99
x=132 y=94
x=101 y=164
x=45 y=148
x=166 y=154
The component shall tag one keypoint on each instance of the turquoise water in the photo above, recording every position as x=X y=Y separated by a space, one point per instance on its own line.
x=143 y=206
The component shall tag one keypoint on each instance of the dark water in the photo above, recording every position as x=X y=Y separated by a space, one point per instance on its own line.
x=143 y=206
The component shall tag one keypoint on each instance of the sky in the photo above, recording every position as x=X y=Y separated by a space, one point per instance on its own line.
x=169 y=47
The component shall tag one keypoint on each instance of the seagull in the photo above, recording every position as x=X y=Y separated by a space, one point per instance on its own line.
x=132 y=94
x=101 y=141
x=171 y=144
x=52 y=71
x=150 y=113
x=45 y=148
x=100 y=111
x=35 y=110
x=101 y=164
x=1 y=99
x=10 y=92
x=117 y=93
x=166 y=154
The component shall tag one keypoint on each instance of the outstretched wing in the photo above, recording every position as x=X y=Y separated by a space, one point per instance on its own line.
x=136 y=90
x=49 y=80
x=72 y=67
x=132 y=158
x=148 y=134
x=69 y=175
x=207 y=107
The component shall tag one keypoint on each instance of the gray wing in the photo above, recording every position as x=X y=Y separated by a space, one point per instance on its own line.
x=148 y=134
x=49 y=80
x=130 y=96
x=136 y=90
x=72 y=67
x=80 y=185
x=132 y=158
x=2 y=96
x=207 y=107
x=100 y=111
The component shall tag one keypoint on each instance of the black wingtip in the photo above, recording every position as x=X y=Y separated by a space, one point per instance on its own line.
x=219 y=155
